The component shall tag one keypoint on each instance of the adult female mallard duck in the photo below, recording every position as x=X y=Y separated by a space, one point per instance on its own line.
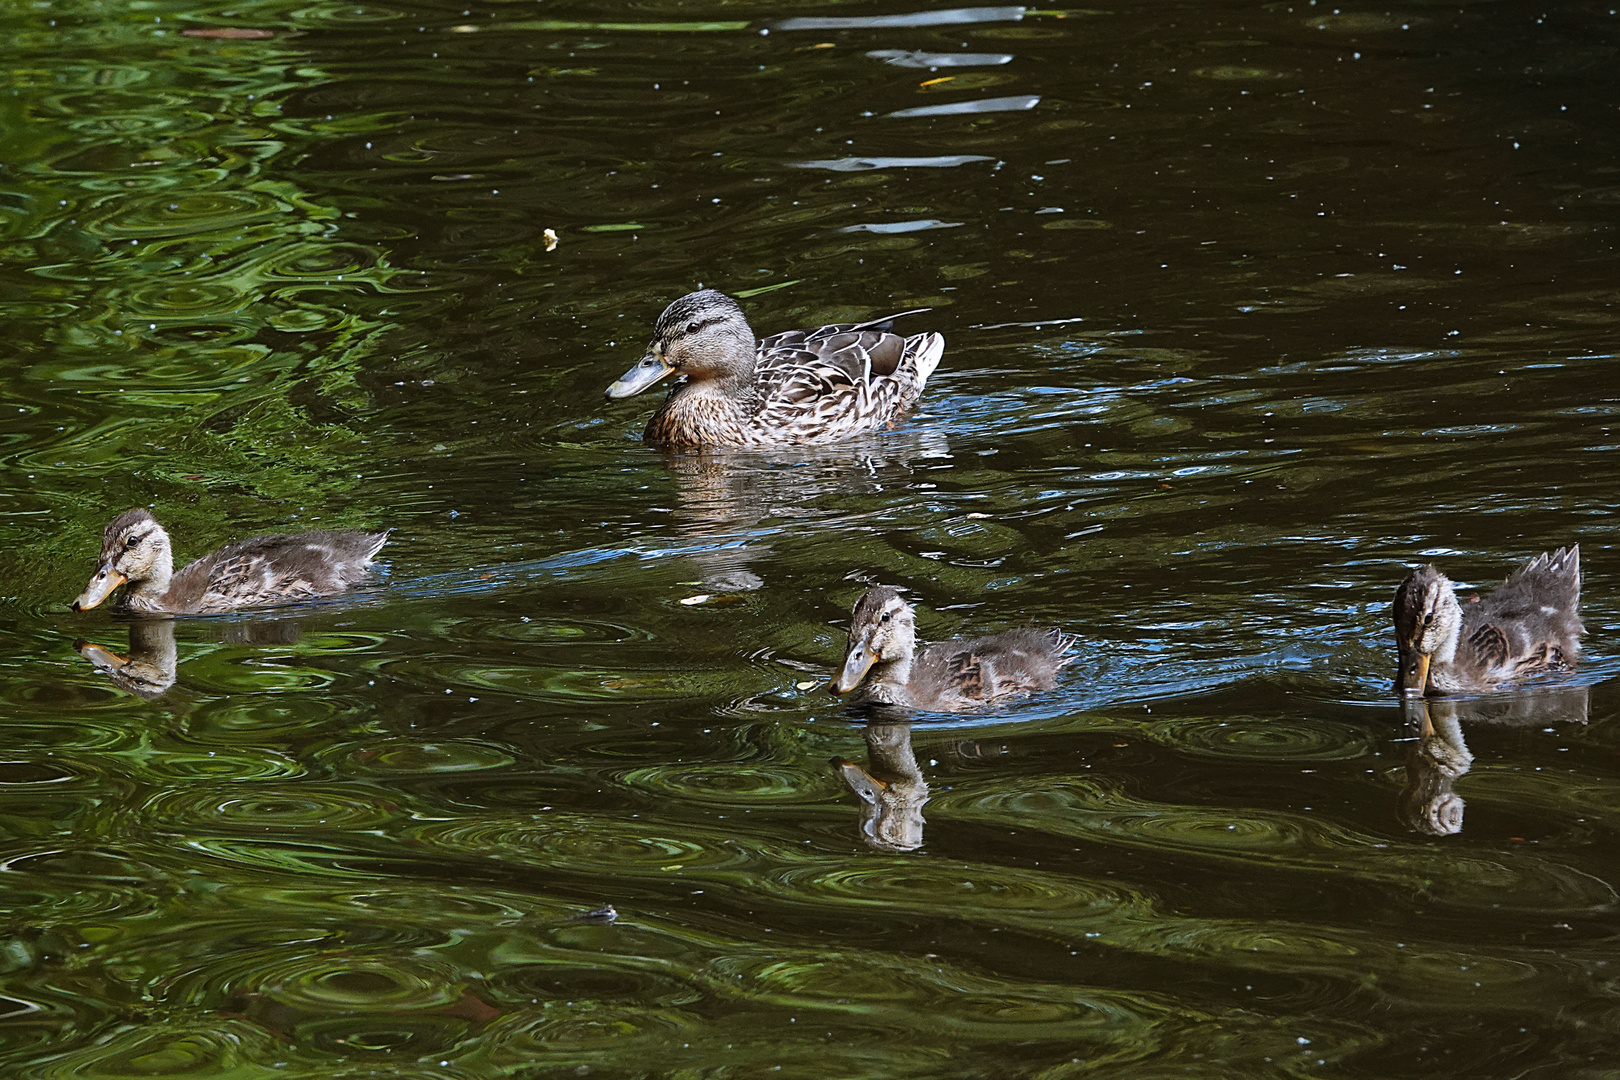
x=249 y=573
x=1528 y=626
x=883 y=664
x=802 y=386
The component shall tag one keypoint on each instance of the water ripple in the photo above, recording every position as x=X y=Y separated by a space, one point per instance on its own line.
x=301 y=808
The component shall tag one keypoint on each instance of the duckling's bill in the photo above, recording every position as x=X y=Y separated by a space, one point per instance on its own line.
x=857 y=662
x=648 y=370
x=1417 y=676
x=101 y=586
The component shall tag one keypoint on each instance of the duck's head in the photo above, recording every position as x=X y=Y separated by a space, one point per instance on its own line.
x=134 y=548
x=703 y=335
x=1427 y=621
x=882 y=629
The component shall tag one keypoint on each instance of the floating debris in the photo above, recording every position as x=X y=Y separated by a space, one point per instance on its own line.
x=946 y=17
x=602 y=915
x=550 y=237
x=912 y=59
x=1016 y=103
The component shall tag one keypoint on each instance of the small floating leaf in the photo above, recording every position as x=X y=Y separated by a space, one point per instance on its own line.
x=746 y=293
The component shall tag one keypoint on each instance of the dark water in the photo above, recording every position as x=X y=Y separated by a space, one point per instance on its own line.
x=1248 y=305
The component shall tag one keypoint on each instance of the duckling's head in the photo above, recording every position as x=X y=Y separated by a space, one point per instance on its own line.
x=883 y=629
x=703 y=335
x=1428 y=619
x=134 y=549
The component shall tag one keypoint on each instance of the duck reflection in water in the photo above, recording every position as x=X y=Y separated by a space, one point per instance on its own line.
x=1439 y=756
x=892 y=789
x=723 y=498
x=151 y=667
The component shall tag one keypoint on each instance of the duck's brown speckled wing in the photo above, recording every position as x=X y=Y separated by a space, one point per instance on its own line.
x=858 y=351
x=834 y=380
x=275 y=570
x=1527 y=625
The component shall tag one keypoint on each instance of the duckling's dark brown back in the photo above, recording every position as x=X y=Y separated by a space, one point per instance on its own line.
x=963 y=674
x=1531 y=620
x=272 y=569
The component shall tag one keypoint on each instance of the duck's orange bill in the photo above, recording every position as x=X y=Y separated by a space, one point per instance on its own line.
x=101 y=586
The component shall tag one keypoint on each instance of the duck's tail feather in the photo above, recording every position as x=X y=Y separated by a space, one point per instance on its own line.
x=929 y=351
x=882 y=322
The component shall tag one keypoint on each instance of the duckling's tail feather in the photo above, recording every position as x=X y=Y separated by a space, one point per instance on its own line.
x=1063 y=645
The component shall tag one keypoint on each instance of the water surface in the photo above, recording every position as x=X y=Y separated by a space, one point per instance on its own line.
x=1248 y=307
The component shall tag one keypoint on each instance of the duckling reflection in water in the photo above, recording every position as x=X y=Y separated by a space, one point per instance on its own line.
x=1528 y=626
x=796 y=387
x=893 y=793
x=151 y=667
x=883 y=664
x=1439 y=756
x=135 y=551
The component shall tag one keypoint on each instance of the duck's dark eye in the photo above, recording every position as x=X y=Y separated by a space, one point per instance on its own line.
x=130 y=542
x=886 y=616
x=692 y=327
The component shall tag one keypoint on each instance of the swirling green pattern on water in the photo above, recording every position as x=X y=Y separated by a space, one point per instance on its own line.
x=1248 y=307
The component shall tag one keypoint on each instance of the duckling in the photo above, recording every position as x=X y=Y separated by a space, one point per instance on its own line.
x=249 y=573
x=801 y=386
x=883 y=664
x=1527 y=627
